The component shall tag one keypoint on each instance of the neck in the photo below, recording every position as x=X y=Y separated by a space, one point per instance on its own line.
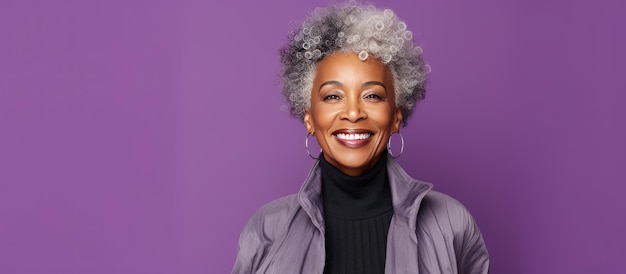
x=356 y=197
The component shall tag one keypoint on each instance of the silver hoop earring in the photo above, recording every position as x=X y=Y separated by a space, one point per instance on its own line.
x=306 y=145
x=401 y=148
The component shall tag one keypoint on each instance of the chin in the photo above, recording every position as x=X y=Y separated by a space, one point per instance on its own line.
x=354 y=160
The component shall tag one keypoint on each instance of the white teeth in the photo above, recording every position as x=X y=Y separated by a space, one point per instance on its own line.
x=353 y=136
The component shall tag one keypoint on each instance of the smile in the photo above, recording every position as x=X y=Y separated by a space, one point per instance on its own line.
x=352 y=136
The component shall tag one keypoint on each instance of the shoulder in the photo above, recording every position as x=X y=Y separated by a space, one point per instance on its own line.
x=271 y=217
x=275 y=212
x=262 y=229
x=278 y=206
x=448 y=210
x=442 y=213
x=443 y=204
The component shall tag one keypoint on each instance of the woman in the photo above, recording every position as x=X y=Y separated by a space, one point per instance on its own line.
x=353 y=75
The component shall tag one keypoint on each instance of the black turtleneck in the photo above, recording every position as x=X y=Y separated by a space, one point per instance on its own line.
x=357 y=213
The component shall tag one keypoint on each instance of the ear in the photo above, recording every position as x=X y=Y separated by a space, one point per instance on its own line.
x=398 y=121
x=308 y=122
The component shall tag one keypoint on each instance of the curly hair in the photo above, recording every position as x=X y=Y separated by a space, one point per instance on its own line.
x=351 y=27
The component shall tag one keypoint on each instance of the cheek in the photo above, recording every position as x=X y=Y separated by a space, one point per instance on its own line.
x=384 y=117
x=322 y=116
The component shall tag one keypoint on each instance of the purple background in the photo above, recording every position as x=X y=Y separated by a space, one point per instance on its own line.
x=139 y=136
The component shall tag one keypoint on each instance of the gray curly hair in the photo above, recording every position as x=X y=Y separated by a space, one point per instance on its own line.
x=351 y=27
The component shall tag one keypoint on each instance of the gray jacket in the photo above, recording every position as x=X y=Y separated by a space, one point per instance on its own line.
x=430 y=232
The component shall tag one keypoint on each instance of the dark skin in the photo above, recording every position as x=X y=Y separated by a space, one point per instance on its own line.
x=353 y=111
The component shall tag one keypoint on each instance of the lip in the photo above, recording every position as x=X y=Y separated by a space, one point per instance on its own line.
x=353 y=138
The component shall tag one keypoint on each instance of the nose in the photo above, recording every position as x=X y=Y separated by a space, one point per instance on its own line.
x=354 y=111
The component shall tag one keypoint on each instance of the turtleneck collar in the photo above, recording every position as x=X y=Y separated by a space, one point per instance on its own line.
x=355 y=197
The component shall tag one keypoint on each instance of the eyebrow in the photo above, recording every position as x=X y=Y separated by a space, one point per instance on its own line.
x=335 y=83
x=368 y=83
x=374 y=83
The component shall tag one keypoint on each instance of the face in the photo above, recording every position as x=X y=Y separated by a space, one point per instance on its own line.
x=353 y=111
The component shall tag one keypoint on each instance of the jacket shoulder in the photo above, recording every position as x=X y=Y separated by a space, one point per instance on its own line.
x=443 y=203
x=263 y=228
x=447 y=215
x=270 y=217
x=445 y=208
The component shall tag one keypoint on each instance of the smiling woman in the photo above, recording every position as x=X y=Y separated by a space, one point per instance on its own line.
x=352 y=112
x=353 y=75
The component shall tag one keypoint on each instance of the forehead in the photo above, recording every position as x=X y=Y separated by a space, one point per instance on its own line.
x=346 y=67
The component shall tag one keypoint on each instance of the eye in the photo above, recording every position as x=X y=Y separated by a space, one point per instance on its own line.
x=374 y=96
x=331 y=97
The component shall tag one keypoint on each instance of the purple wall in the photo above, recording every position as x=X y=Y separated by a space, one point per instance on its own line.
x=139 y=136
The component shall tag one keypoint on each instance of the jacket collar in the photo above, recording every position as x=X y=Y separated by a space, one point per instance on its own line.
x=406 y=194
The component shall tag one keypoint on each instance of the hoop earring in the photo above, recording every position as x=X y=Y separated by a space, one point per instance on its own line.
x=401 y=148
x=306 y=145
